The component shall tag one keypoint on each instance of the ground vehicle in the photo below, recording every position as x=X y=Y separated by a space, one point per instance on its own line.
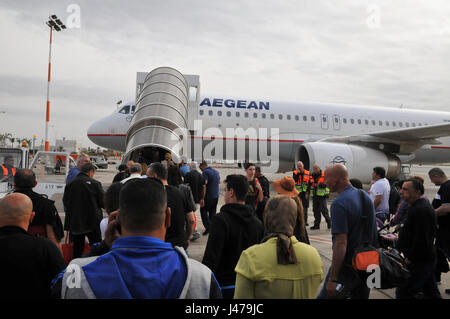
x=51 y=169
x=99 y=161
x=20 y=160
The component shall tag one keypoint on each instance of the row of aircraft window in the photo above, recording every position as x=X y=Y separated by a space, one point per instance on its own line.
x=313 y=119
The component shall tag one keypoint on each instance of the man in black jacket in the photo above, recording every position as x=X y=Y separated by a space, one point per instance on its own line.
x=46 y=222
x=416 y=242
x=83 y=200
x=28 y=263
x=232 y=231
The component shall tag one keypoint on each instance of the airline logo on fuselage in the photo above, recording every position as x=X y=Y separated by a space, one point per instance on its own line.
x=240 y=104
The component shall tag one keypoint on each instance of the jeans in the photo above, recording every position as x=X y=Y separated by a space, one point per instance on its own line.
x=421 y=284
x=208 y=211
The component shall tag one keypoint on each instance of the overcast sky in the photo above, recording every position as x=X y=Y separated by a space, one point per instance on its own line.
x=384 y=53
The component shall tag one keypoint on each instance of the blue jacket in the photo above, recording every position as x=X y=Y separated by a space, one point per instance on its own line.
x=138 y=267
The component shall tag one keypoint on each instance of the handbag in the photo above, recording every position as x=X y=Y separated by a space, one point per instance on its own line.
x=67 y=249
x=392 y=265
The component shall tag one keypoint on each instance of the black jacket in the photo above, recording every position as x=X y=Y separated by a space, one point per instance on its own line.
x=232 y=231
x=28 y=264
x=416 y=238
x=196 y=182
x=83 y=200
x=45 y=212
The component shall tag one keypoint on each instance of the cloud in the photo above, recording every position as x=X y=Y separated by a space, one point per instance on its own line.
x=295 y=51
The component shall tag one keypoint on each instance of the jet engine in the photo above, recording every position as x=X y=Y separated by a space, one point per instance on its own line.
x=359 y=160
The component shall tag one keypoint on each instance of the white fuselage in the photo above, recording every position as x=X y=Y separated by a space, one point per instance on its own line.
x=296 y=123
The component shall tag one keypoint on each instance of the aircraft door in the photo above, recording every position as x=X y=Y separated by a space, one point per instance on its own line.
x=336 y=122
x=324 y=121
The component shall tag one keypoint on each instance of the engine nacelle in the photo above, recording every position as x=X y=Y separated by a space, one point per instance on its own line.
x=359 y=160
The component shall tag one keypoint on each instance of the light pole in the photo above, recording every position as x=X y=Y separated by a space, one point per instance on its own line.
x=54 y=23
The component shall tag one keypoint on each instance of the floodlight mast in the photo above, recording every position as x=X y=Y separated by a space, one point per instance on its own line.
x=53 y=23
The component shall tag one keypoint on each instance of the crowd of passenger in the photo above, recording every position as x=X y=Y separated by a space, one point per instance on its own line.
x=257 y=245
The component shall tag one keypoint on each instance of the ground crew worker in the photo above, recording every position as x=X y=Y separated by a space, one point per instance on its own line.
x=319 y=195
x=7 y=170
x=302 y=180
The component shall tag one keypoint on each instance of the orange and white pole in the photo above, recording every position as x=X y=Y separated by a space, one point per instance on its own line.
x=47 y=114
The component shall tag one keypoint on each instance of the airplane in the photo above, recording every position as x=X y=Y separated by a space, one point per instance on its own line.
x=360 y=137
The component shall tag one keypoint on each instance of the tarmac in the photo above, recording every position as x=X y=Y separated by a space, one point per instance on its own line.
x=320 y=239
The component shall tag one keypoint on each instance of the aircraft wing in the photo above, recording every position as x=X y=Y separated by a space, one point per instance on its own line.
x=408 y=139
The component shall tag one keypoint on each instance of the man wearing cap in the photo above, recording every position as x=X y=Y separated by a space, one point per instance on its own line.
x=83 y=200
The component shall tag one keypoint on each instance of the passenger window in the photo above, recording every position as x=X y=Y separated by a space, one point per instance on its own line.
x=201 y=112
x=125 y=110
x=324 y=118
x=246 y=114
x=359 y=122
x=366 y=121
x=420 y=124
x=288 y=117
x=272 y=116
x=394 y=124
x=210 y=113
x=313 y=118
x=387 y=123
x=280 y=116
x=380 y=123
x=228 y=114
x=345 y=121
x=305 y=118
x=263 y=115
x=373 y=122
x=255 y=115
x=400 y=124
x=238 y=114
x=297 y=118
x=219 y=113
x=407 y=124
x=352 y=121
x=414 y=125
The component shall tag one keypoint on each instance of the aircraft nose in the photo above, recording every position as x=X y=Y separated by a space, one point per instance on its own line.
x=95 y=132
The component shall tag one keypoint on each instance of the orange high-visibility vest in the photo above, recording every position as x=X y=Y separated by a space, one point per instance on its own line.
x=301 y=185
x=6 y=172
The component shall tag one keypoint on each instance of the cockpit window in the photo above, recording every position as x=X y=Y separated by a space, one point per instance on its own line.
x=125 y=110
x=133 y=107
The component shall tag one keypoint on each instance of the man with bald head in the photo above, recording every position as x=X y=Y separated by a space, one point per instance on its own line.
x=29 y=263
x=347 y=229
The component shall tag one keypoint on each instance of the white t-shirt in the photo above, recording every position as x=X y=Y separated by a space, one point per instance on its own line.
x=381 y=187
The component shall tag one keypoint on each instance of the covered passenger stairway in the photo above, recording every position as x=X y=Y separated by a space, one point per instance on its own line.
x=161 y=121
